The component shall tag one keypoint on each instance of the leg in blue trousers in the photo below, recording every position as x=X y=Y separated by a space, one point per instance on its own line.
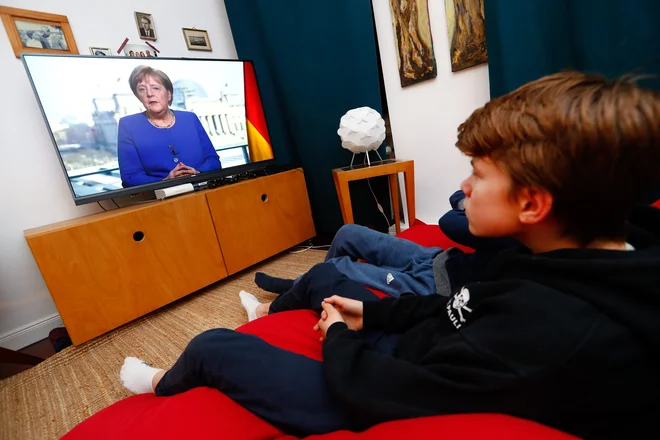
x=395 y=265
x=320 y=282
x=284 y=388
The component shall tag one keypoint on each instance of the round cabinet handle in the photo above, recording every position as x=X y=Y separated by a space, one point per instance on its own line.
x=264 y=198
x=138 y=236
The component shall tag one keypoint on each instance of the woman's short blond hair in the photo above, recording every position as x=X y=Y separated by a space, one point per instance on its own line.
x=141 y=72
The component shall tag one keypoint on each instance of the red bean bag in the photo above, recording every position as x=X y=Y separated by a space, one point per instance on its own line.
x=430 y=236
x=205 y=413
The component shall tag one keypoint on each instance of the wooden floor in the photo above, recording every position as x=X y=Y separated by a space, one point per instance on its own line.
x=43 y=349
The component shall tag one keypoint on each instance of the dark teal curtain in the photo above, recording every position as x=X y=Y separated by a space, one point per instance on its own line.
x=528 y=39
x=314 y=61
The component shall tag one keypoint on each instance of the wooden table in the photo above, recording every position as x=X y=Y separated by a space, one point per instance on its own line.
x=389 y=168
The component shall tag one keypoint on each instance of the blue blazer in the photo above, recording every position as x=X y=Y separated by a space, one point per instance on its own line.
x=147 y=154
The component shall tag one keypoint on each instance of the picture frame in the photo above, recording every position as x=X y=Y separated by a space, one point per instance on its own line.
x=414 y=41
x=197 y=39
x=145 y=26
x=139 y=51
x=37 y=32
x=466 y=29
x=100 y=51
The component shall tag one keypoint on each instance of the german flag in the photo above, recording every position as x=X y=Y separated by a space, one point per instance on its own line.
x=259 y=146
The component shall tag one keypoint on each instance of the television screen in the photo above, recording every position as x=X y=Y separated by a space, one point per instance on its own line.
x=125 y=125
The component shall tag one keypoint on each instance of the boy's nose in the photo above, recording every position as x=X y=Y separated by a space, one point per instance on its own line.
x=466 y=187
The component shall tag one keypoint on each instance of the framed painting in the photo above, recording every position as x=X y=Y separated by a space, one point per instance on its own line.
x=412 y=33
x=197 y=39
x=37 y=32
x=467 y=33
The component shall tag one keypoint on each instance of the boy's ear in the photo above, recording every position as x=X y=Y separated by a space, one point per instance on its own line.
x=535 y=205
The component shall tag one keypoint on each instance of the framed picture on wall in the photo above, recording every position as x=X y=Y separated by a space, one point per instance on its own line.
x=197 y=39
x=37 y=32
x=139 y=51
x=100 y=51
x=145 y=24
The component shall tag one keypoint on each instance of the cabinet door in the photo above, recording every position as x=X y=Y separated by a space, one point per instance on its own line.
x=106 y=270
x=256 y=219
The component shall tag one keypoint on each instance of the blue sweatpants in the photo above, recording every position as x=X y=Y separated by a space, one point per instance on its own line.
x=395 y=265
x=286 y=389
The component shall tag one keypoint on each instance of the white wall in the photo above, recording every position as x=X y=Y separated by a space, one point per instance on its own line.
x=34 y=191
x=425 y=117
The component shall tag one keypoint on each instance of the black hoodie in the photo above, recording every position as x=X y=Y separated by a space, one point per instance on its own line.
x=567 y=338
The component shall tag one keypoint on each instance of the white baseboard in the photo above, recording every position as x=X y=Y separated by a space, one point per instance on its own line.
x=31 y=333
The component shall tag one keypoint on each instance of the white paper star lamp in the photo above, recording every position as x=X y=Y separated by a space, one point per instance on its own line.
x=362 y=130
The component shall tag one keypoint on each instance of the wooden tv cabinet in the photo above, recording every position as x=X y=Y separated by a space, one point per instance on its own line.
x=107 y=269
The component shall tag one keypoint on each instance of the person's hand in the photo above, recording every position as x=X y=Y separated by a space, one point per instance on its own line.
x=351 y=310
x=329 y=316
x=191 y=169
x=180 y=170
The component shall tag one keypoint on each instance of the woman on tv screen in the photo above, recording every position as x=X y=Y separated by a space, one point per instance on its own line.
x=161 y=143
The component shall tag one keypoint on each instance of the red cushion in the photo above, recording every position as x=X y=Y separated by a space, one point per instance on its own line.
x=201 y=413
x=430 y=236
x=289 y=330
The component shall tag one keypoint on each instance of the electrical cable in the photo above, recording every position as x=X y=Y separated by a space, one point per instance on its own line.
x=300 y=251
x=380 y=207
x=306 y=248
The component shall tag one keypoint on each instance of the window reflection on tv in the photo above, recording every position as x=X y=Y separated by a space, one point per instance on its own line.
x=124 y=123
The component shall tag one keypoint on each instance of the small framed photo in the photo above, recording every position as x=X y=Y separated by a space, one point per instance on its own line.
x=139 y=51
x=100 y=51
x=37 y=32
x=197 y=39
x=145 y=24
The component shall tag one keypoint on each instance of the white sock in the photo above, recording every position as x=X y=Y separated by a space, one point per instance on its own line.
x=136 y=375
x=250 y=303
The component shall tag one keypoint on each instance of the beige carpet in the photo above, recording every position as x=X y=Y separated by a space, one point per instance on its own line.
x=49 y=399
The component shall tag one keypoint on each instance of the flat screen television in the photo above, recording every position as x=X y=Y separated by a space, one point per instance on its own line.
x=124 y=125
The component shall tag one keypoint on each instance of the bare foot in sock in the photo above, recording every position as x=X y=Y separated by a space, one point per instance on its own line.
x=137 y=375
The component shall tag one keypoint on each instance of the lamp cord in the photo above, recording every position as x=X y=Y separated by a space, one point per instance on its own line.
x=380 y=207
